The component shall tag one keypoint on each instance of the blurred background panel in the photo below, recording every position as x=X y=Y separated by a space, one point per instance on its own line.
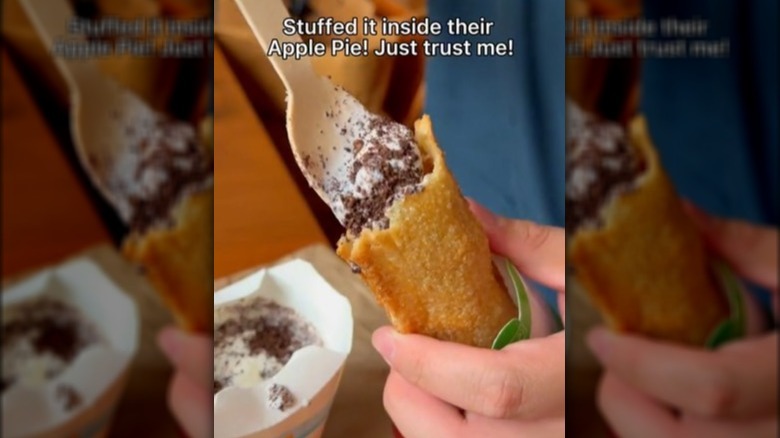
x=51 y=211
x=713 y=120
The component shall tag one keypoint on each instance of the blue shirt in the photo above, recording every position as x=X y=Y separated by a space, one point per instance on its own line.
x=501 y=121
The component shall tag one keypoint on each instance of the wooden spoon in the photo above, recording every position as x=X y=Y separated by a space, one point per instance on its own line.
x=323 y=120
x=105 y=118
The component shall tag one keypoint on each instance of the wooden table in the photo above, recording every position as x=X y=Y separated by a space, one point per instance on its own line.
x=259 y=214
x=46 y=213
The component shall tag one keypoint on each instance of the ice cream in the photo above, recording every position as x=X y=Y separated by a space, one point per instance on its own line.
x=162 y=185
x=161 y=164
x=600 y=164
x=69 y=336
x=41 y=337
x=254 y=338
x=381 y=166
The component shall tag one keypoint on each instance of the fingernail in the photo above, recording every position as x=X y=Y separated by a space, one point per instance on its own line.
x=384 y=342
x=169 y=341
x=600 y=342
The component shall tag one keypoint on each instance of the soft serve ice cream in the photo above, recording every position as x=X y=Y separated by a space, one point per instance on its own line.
x=381 y=165
x=41 y=337
x=254 y=338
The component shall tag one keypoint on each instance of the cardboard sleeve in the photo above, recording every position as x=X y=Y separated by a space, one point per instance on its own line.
x=431 y=269
x=646 y=269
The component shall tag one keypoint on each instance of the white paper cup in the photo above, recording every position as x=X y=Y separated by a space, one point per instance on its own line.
x=312 y=373
x=98 y=372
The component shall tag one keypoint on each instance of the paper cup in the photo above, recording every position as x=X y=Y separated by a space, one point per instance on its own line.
x=312 y=373
x=97 y=373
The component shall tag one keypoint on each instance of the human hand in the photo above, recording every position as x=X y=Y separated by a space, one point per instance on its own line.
x=190 y=392
x=440 y=388
x=655 y=389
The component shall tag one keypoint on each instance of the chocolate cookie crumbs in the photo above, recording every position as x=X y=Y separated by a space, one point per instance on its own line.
x=374 y=163
x=161 y=164
x=68 y=397
x=600 y=164
x=380 y=174
x=42 y=332
x=258 y=336
x=280 y=398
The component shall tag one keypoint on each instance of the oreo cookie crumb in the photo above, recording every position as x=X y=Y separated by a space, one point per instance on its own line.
x=68 y=397
x=600 y=164
x=280 y=398
x=43 y=330
x=161 y=162
x=399 y=174
x=260 y=328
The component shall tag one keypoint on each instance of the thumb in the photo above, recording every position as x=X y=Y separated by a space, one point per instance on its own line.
x=189 y=353
x=750 y=249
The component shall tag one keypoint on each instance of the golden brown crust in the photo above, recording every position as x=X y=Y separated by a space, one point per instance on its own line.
x=646 y=268
x=179 y=261
x=431 y=269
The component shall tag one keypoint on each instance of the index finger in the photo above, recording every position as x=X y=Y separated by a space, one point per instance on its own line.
x=631 y=413
x=525 y=380
x=189 y=353
x=752 y=250
x=737 y=381
x=190 y=403
x=538 y=251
